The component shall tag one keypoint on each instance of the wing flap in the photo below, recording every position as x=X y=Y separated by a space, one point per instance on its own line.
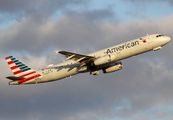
x=83 y=59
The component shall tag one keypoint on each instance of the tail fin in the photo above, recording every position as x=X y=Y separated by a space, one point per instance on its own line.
x=18 y=68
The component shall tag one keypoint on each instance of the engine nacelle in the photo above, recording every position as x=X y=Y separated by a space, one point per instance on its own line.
x=105 y=59
x=113 y=68
x=94 y=72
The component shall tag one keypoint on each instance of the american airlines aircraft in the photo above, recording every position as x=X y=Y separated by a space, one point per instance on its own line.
x=107 y=60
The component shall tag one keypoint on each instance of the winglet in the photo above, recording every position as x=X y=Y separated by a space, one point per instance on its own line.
x=56 y=51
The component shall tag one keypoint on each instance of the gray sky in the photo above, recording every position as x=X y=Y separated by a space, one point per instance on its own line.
x=31 y=31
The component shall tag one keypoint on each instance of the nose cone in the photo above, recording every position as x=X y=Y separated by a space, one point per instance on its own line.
x=166 y=39
x=169 y=39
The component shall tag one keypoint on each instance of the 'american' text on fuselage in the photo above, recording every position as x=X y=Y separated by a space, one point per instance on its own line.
x=122 y=47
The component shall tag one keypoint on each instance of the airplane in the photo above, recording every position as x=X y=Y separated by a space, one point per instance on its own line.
x=107 y=60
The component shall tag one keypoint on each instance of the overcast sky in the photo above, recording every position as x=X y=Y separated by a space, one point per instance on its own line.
x=31 y=30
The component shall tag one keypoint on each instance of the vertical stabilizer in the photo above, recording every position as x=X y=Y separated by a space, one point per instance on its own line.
x=21 y=70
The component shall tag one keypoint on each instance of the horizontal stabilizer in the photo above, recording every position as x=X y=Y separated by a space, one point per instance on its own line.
x=14 y=78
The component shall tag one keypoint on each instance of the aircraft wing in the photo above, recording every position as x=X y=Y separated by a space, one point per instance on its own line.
x=83 y=59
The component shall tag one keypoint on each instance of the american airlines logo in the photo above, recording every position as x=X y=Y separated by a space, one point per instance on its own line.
x=143 y=40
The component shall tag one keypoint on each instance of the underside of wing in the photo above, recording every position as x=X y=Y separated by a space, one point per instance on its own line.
x=83 y=59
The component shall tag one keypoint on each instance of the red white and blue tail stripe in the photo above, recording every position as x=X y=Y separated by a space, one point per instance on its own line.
x=23 y=74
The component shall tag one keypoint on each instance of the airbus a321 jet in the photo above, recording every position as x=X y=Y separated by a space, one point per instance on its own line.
x=107 y=60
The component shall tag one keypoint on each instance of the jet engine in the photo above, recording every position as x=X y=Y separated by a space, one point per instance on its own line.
x=113 y=68
x=105 y=59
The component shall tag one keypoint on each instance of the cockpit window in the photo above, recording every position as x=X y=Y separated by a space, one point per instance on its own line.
x=159 y=35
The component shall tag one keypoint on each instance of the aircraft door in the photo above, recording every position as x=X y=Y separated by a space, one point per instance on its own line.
x=149 y=40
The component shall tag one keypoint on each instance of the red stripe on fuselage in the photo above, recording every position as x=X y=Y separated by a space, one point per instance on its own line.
x=27 y=79
x=27 y=74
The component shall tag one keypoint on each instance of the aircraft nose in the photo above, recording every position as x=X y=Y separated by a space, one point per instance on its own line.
x=167 y=39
